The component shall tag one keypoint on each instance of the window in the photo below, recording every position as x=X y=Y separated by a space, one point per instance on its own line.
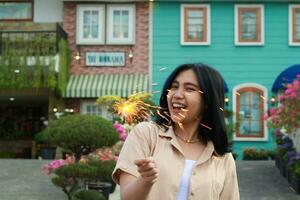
x=249 y=106
x=249 y=24
x=195 y=24
x=121 y=24
x=90 y=24
x=16 y=11
x=90 y=108
x=294 y=25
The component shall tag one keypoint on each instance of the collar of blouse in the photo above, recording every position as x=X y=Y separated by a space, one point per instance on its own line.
x=206 y=155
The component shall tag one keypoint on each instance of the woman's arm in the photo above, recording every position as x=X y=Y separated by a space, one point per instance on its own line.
x=133 y=188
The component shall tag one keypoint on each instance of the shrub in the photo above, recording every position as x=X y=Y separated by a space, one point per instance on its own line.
x=7 y=154
x=89 y=195
x=80 y=134
x=254 y=154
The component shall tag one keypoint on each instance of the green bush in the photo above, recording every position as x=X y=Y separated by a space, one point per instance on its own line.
x=89 y=195
x=255 y=154
x=6 y=154
x=80 y=134
x=73 y=177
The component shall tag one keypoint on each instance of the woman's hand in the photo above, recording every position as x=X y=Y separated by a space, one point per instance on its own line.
x=147 y=169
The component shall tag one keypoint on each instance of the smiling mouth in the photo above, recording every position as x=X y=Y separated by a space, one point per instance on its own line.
x=178 y=107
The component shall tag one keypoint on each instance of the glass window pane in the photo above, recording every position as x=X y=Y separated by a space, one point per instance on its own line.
x=86 y=31
x=95 y=18
x=94 y=31
x=195 y=25
x=125 y=16
x=250 y=113
x=16 y=10
x=125 y=31
x=116 y=31
x=249 y=29
x=255 y=127
x=298 y=26
x=116 y=17
x=245 y=127
x=86 y=17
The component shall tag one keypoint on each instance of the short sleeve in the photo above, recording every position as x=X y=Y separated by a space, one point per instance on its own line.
x=230 y=190
x=137 y=145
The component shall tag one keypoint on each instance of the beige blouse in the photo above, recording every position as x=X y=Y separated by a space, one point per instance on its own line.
x=212 y=178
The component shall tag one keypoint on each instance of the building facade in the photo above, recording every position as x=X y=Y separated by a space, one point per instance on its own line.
x=250 y=44
x=109 y=43
x=32 y=43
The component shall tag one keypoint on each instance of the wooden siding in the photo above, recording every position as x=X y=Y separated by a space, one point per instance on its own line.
x=237 y=64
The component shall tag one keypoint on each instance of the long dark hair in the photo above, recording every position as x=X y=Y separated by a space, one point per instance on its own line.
x=212 y=85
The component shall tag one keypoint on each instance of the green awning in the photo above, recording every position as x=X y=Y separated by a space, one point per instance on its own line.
x=96 y=85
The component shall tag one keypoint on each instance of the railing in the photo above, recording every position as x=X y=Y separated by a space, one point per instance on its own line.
x=31 y=42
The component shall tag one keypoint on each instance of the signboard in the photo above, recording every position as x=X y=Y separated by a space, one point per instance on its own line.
x=105 y=59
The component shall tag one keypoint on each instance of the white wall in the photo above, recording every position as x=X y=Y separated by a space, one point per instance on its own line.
x=48 y=11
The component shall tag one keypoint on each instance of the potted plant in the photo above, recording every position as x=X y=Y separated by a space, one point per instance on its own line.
x=80 y=135
x=44 y=149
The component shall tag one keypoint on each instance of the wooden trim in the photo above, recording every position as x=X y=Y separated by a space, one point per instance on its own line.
x=260 y=92
x=258 y=23
x=295 y=11
x=204 y=24
x=19 y=1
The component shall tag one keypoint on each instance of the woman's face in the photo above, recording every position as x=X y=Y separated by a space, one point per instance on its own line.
x=185 y=99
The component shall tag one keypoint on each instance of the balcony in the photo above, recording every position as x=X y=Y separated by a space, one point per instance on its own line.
x=33 y=56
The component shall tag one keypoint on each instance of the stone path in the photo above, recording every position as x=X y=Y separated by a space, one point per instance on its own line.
x=23 y=180
x=261 y=180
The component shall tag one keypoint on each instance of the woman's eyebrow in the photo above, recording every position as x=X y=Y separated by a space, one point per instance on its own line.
x=191 y=84
x=186 y=83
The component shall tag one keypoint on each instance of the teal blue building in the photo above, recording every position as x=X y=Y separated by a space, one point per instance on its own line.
x=256 y=48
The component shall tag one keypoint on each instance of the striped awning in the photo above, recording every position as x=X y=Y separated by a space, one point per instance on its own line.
x=96 y=85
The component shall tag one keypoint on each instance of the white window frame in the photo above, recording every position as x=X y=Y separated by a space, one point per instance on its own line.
x=291 y=22
x=236 y=25
x=234 y=104
x=131 y=27
x=79 y=32
x=85 y=103
x=182 y=25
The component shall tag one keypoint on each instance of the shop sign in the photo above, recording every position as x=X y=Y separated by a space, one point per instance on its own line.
x=98 y=59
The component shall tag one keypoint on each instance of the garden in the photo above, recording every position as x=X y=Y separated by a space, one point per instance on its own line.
x=285 y=119
x=90 y=146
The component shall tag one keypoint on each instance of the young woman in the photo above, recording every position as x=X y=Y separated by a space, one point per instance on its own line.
x=183 y=155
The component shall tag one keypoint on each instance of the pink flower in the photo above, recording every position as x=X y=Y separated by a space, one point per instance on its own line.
x=50 y=167
x=121 y=130
x=272 y=111
x=280 y=97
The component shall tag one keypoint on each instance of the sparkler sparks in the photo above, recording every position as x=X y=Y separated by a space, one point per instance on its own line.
x=162 y=69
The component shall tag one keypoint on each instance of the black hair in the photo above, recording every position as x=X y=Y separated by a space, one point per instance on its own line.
x=212 y=86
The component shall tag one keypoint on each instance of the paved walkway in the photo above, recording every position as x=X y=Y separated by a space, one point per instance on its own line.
x=23 y=180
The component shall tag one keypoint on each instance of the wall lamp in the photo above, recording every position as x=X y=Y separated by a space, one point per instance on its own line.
x=273 y=100
x=54 y=109
x=226 y=100
x=130 y=55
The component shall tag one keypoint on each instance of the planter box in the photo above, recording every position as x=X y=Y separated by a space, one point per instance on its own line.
x=289 y=175
x=281 y=166
x=295 y=183
x=102 y=187
x=48 y=152
x=277 y=161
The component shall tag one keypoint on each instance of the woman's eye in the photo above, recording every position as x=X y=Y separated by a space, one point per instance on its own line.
x=190 y=89
x=174 y=86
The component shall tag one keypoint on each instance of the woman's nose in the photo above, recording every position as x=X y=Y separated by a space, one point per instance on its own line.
x=178 y=93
